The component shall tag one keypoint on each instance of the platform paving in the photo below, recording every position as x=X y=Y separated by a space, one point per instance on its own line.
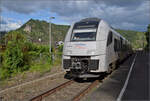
x=137 y=87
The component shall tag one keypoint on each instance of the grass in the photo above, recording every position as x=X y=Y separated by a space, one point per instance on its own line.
x=38 y=66
x=57 y=62
x=42 y=66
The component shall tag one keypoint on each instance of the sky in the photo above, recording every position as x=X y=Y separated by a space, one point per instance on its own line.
x=121 y=14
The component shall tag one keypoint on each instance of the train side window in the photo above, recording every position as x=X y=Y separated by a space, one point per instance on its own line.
x=115 y=45
x=109 y=39
x=121 y=43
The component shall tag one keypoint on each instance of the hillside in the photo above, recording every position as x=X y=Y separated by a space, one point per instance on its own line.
x=137 y=39
x=36 y=29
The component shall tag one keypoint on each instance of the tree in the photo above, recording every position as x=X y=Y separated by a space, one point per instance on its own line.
x=147 y=37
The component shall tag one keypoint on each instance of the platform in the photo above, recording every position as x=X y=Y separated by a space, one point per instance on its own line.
x=130 y=82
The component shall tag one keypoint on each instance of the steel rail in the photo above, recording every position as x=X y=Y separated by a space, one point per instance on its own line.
x=51 y=91
x=85 y=91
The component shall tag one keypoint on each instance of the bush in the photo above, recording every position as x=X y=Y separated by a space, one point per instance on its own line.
x=4 y=73
x=14 y=58
x=21 y=55
x=60 y=48
x=1 y=58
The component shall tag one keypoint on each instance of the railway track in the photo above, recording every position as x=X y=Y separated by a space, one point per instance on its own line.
x=85 y=91
x=25 y=91
x=51 y=91
x=30 y=82
x=86 y=87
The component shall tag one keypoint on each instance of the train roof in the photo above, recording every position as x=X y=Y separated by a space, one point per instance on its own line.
x=118 y=34
x=91 y=19
x=87 y=23
x=93 y=23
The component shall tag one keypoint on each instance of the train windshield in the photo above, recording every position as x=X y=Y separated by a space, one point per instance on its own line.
x=83 y=36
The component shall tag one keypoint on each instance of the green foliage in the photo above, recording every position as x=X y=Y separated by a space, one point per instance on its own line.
x=1 y=58
x=58 y=60
x=40 y=67
x=137 y=39
x=15 y=36
x=21 y=55
x=2 y=34
x=4 y=73
x=40 y=61
x=40 y=29
x=60 y=48
x=14 y=59
x=147 y=38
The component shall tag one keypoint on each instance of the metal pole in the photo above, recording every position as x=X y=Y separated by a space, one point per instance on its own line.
x=143 y=41
x=50 y=36
x=0 y=27
x=0 y=41
x=5 y=35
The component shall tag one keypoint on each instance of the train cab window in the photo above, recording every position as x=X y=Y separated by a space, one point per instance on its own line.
x=109 y=40
x=84 y=36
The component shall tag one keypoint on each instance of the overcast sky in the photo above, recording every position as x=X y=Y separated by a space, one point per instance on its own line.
x=123 y=14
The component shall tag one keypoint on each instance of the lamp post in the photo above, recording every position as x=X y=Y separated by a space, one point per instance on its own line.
x=50 y=34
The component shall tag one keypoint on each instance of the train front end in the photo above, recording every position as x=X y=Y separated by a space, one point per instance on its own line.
x=80 y=53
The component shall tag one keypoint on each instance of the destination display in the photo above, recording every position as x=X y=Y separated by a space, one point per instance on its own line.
x=86 y=25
